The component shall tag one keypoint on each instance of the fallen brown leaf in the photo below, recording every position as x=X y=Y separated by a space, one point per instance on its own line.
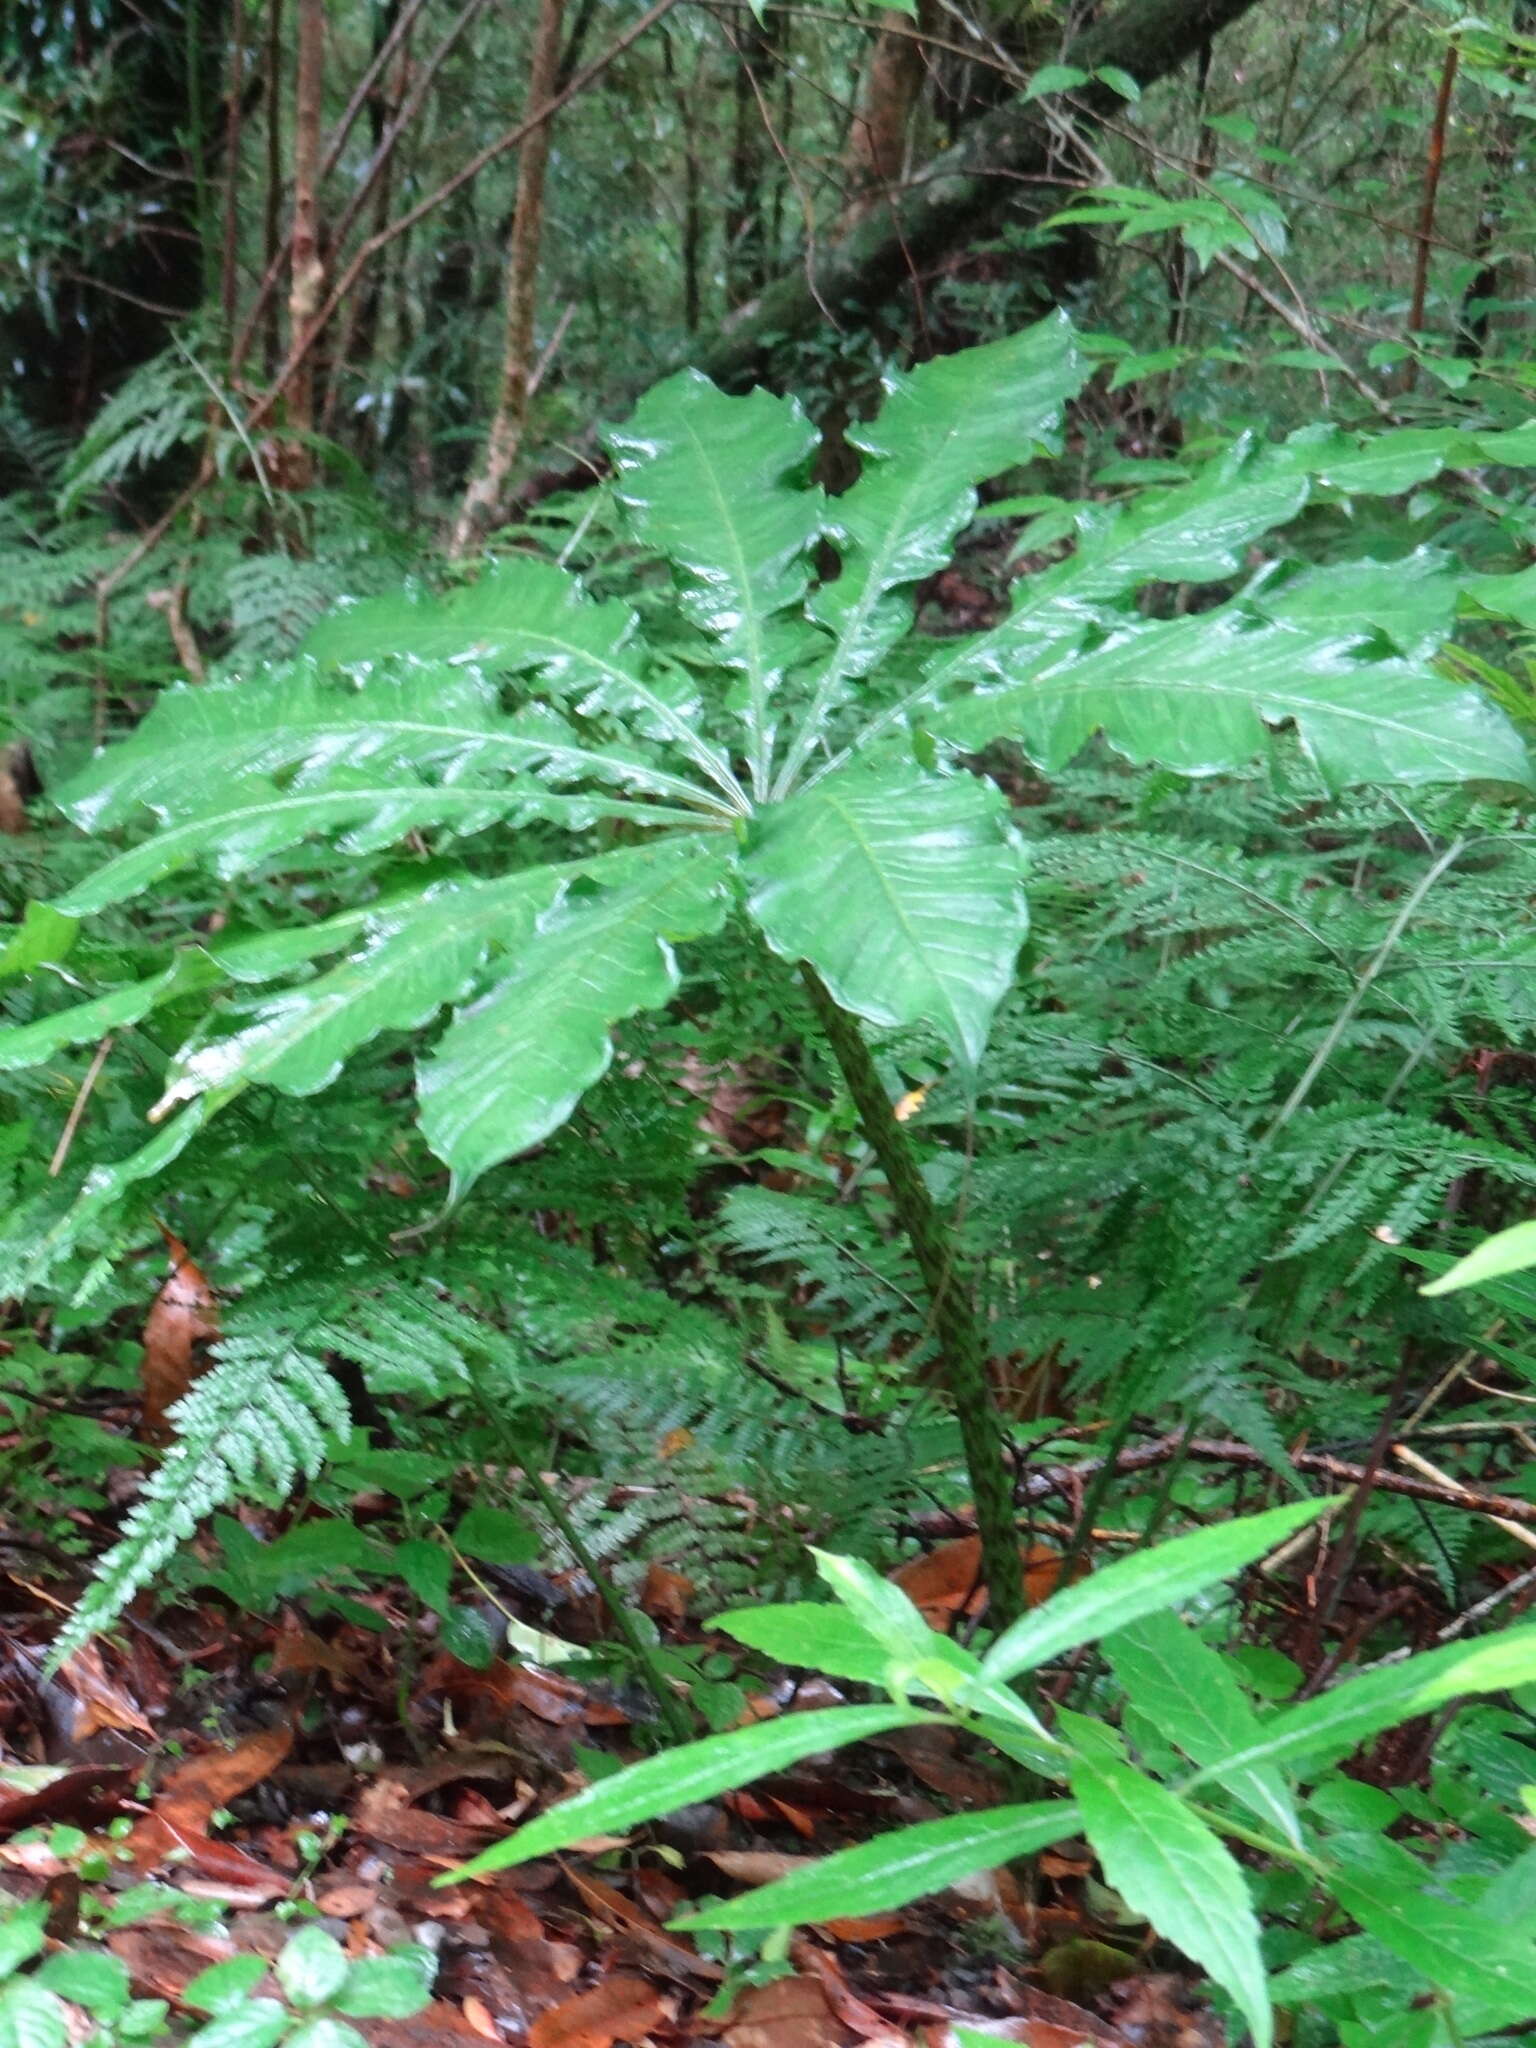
x=948 y=1581
x=618 y=2009
x=163 y=1958
x=757 y=1866
x=181 y=1324
x=792 y=2012
x=82 y=1793
x=214 y=1777
x=666 y=1594
x=100 y=1701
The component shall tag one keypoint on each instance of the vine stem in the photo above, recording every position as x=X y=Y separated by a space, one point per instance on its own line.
x=947 y=1284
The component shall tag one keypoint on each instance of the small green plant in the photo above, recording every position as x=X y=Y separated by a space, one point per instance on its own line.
x=1193 y=1761
x=321 y=1991
x=754 y=747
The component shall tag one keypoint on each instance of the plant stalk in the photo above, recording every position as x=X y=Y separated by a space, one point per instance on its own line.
x=958 y=1327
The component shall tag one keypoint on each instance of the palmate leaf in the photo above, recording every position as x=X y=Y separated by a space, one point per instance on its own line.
x=709 y=482
x=512 y=1067
x=903 y=890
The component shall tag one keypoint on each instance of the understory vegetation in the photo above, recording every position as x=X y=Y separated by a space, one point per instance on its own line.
x=767 y=1021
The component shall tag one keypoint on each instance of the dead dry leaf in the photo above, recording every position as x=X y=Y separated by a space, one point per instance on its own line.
x=214 y=1777
x=618 y=2009
x=947 y=1581
x=100 y=1701
x=665 y=1596
x=792 y=2012
x=183 y=1321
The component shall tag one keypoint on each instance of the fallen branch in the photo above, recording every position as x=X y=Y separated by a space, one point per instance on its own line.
x=1043 y=1482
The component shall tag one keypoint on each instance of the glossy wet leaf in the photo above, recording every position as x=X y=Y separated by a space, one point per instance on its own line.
x=904 y=891
x=943 y=428
x=512 y=1066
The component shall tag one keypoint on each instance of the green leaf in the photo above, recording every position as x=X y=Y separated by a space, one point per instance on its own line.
x=42 y=938
x=248 y=820
x=1052 y=78
x=708 y=481
x=944 y=427
x=223 y=1987
x=388 y=1987
x=1507 y=1251
x=89 y=1977
x=905 y=1865
x=326 y=2033
x=1463 y=1951
x=21 y=1935
x=512 y=1067
x=415 y=960
x=261 y=2023
x=1119 y=81
x=878 y=1606
x=1337 y=1721
x=814 y=1635
x=904 y=891
x=427 y=1569
x=682 y=1777
x=1165 y=1862
x=29 y=1045
x=495 y=1535
x=312 y=1967
x=1196 y=694
x=31 y=2017
x=1187 y=1691
x=1122 y=1593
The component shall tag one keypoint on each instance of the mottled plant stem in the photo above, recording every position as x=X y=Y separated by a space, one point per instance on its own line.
x=956 y=1324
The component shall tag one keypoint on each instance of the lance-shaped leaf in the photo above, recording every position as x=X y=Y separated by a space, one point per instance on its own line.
x=512 y=1067
x=1120 y=1594
x=28 y=1045
x=415 y=960
x=943 y=428
x=251 y=818
x=903 y=890
x=1193 y=534
x=1318 y=1731
x=711 y=482
x=399 y=719
x=1164 y=1861
x=1197 y=693
x=683 y=1777
x=897 y=1867
x=1187 y=1691
x=1484 y=1962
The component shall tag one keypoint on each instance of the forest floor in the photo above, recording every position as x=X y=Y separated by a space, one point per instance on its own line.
x=208 y=1781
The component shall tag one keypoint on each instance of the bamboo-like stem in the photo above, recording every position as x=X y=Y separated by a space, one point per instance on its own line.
x=957 y=1326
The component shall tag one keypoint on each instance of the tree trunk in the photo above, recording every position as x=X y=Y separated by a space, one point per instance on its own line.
x=308 y=272
x=961 y=193
x=877 y=141
x=747 y=255
x=505 y=438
